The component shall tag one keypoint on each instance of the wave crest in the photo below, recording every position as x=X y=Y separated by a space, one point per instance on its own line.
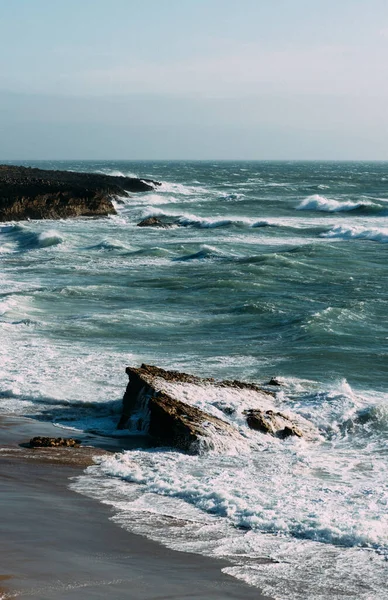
x=358 y=232
x=206 y=252
x=27 y=239
x=323 y=204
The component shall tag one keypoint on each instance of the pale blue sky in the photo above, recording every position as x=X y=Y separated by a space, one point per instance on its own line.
x=249 y=79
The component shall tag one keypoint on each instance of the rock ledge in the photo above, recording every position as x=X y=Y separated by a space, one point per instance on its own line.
x=168 y=405
x=28 y=193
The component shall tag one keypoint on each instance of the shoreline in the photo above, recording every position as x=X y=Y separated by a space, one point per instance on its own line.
x=59 y=544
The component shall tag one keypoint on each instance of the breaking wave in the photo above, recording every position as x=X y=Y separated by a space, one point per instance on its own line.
x=179 y=188
x=323 y=204
x=109 y=245
x=206 y=252
x=195 y=221
x=210 y=222
x=293 y=503
x=116 y=173
x=358 y=232
x=25 y=238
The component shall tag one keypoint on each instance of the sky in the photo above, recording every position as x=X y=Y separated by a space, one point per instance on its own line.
x=194 y=79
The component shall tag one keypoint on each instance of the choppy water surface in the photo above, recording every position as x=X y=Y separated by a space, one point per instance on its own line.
x=274 y=269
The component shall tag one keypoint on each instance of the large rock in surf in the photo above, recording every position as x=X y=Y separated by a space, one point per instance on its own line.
x=272 y=422
x=172 y=422
x=153 y=222
x=27 y=193
x=194 y=413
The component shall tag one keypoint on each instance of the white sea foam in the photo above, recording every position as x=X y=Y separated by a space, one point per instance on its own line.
x=320 y=203
x=279 y=185
x=312 y=500
x=231 y=196
x=110 y=244
x=179 y=188
x=156 y=199
x=309 y=570
x=49 y=238
x=213 y=399
x=192 y=220
x=44 y=373
x=22 y=238
x=188 y=219
x=205 y=252
x=293 y=491
x=358 y=232
x=294 y=502
x=16 y=307
x=149 y=200
x=116 y=172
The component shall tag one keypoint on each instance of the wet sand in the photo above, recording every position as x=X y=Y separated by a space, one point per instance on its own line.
x=57 y=544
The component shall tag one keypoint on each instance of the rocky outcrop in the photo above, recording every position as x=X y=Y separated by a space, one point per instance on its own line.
x=153 y=222
x=274 y=423
x=274 y=381
x=172 y=422
x=47 y=442
x=169 y=406
x=176 y=423
x=27 y=193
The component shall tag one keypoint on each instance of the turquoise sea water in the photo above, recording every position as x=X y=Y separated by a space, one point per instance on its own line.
x=271 y=269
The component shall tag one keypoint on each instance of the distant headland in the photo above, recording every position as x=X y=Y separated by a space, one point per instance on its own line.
x=29 y=193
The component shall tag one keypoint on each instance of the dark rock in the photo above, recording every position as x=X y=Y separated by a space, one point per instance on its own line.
x=136 y=398
x=47 y=442
x=149 y=408
x=27 y=193
x=225 y=408
x=242 y=385
x=179 y=377
x=289 y=431
x=274 y=423
x=156 y=402
x=274 y=381
x=176 y=423
x=171 y=376
x=153 y=222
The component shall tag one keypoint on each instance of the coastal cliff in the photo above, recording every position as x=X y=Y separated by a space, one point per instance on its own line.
x=28 y=193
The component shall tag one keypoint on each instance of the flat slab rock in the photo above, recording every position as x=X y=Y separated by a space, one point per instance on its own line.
x=28 y=193
x=168 y=405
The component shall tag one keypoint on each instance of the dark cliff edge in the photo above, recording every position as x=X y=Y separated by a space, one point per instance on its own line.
x=29 y=193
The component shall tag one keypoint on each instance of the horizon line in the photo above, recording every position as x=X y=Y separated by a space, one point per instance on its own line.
x=370 y=160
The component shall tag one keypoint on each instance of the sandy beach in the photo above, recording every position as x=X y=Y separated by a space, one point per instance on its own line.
x=58 y=544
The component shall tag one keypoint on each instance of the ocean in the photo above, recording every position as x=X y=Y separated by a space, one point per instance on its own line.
x=271 y=269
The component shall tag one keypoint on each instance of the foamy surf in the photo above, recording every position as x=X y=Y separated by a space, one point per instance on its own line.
x=116 y=172
x=22 y=238
x=323 y=204
x=181 y=189
x=358 y=232
x=290 y=505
